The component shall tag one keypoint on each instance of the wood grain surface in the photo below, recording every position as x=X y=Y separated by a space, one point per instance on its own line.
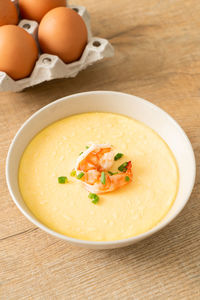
x=157 y=57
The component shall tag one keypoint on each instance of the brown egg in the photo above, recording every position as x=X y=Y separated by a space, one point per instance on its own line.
x=36 y=9
x=63 y=32
x=8 y=13
x=18 y=51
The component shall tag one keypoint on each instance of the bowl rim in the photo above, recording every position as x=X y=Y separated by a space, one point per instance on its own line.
x=88 y=243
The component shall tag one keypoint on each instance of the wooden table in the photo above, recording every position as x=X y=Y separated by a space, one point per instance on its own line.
x=157 y=57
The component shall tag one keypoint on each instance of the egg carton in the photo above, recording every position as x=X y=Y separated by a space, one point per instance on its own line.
x=50 y=67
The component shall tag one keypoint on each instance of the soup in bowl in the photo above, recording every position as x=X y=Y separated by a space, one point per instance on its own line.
x=100 y=169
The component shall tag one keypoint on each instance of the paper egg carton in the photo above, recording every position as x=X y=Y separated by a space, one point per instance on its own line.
x=50 y=67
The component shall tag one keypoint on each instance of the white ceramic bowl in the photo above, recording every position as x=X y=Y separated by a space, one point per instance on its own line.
x=114 y=102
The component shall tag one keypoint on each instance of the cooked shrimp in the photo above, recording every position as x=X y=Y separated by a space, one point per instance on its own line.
x=96 y=157
x=93 y=183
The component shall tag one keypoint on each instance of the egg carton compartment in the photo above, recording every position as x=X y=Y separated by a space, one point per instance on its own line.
x=50 y=67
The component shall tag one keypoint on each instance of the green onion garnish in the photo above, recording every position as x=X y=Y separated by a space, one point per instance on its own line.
x=103 y=178
x=80 y=175
x=73 y=173
x=111 y=173
x=95 y=198
x=87 y=147
x=127 y=178
x=118 y=156
x=91 y=195
x=81 y=153
x=123 y=168
x=62 y=179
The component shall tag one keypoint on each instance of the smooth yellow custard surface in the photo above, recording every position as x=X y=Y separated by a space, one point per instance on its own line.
x=124 y=213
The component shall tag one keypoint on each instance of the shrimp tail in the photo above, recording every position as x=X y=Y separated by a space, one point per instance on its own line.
x=129 y=169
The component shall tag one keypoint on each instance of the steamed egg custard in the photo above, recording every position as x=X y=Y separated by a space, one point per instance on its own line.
x=51 y=164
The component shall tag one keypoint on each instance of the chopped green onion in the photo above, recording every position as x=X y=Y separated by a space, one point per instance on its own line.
x=118 y=156
x=73 y=173
x=127 y=178
x=103 y=178
x=87 y=147
x=62 y=179
x=123 y=168
x=95 y=198
x=81 y=153
x=80 y=175
x=111 y=173
x=91 y=195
